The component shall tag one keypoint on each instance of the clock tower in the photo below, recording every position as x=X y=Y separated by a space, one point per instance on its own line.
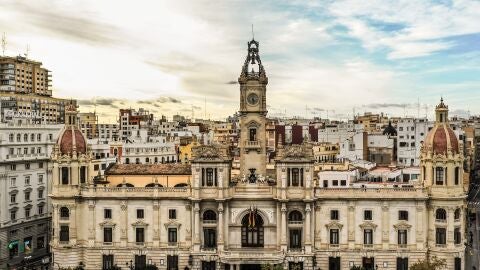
x=253 y=111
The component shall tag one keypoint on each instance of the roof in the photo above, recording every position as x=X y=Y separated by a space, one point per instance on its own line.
x=442 y=138
x=150 y=169
x=72 y=139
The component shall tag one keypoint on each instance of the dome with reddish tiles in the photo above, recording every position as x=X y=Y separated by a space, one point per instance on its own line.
x=441 y=139
x=70 y=140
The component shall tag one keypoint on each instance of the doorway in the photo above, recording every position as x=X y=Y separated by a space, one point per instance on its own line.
x=368 y=263
x=250 y=267
x=333 y=263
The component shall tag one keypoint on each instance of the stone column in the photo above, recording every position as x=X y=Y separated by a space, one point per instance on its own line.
x=317 y=228
x=73 y=223
x=225 y=225
x=55 y=224
x=220 y=226
x=124 y=224
x=351 y=225
x=156 y=224
x=385 y=225
x=450 y=228
x=55 y=173
x=431 y=226
x=420 y=238
x=196 y=227
x=284 y=226
x=91 y=223
x=308 y=242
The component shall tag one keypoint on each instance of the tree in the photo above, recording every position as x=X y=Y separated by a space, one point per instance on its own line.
x=357 y=267
x=271 y=267
x=432 y=264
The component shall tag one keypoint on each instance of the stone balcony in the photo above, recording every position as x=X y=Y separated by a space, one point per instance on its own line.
x=371 y=193
x=122 y=192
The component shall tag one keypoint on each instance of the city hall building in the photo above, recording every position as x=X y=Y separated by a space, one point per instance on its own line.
x=205 y=216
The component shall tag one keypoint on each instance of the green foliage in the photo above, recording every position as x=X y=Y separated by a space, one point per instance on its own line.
x=433 y=264
x=271 y=267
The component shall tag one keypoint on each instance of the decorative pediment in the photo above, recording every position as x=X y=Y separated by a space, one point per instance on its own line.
x=296 y=152
x=139 y=223
x=107 y=223
x=334 y=225
x=210 y=153
x=368 y=225
x=172 y=224
x=402 y=225
x=253 y=124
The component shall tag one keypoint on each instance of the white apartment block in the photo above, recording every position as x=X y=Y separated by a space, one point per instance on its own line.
x=24 y=208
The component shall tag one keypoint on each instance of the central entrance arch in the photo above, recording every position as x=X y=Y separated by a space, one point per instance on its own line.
x=252 y=230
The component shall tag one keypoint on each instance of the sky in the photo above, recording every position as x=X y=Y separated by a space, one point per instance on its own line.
x=323 y=58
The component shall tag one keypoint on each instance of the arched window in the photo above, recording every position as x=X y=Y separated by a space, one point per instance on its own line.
x=151 y=185
x=156 y=159
x=252 y=230
x=180 y=185
x=127 y=161
x=125 y=185
x=64 y=213
x=137 y=161
x=439 y=176
x=295 y=217
x=253 y=134
x=441 y=214
x=456 y=214
x=147 y=160
x=457 y=175
x=209 y=216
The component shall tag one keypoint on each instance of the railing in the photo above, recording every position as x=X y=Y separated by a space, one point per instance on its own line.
x=252 y=144
x=371 y=192
x=295 y=222
x=23 y=156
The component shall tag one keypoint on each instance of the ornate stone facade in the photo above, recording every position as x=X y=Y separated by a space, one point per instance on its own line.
x=209 y=219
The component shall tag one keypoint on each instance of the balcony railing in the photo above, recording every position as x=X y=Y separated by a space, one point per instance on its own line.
x=252 y=144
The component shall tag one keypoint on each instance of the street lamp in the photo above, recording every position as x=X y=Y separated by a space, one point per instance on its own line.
x=131 y=265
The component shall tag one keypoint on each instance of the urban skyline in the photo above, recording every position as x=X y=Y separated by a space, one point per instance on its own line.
x=382 y=61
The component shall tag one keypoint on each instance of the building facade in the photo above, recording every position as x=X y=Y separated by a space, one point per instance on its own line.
x=24 y=210
x=203 y=216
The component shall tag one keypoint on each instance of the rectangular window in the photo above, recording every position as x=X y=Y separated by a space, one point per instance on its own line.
x=107 y=213
x=334 y=237
x=402 y=237
x=64 y=233
x=40 y=209
x=440 y=236
x=209 y=238
x=27 y=195
x=439 y=174
x=13 y=182
x=13 y=214
x=172 y=213
x=402 y=215
x=172 y=262
x=172 y=235
x=40 y=193
x=334 y=183
x=40 y=242
x=40 y=165
x=343 y=182
x=27 y=166
x=295 y=238
x=83 y=174
x=40 y=178
x=27 y=180
x=334 y=214
x=27 y=212
x=13 y=198
x=368 y=236
x=140 y=213
x=65 y=175
x=107 y=261
x=139 y=235
x=107 y=235
x=367 y=215
x=457 y=236
x=458 y=264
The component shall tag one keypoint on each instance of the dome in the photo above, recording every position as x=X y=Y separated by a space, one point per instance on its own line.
x=440 y=139
x=72 y=139
x=390 y=130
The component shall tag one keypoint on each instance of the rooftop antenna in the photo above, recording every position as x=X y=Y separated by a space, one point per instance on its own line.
x=205 y=109
x=27 y=51
x=4 y=43
x=418 y=107
x=253 y=33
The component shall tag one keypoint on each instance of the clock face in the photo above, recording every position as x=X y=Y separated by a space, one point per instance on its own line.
x=252 y=99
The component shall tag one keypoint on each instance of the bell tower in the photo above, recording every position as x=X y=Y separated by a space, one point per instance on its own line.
x=253 y=111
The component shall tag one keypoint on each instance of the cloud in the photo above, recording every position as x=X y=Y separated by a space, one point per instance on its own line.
x=231 y=82
x=387 y=105
x=60 y=21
